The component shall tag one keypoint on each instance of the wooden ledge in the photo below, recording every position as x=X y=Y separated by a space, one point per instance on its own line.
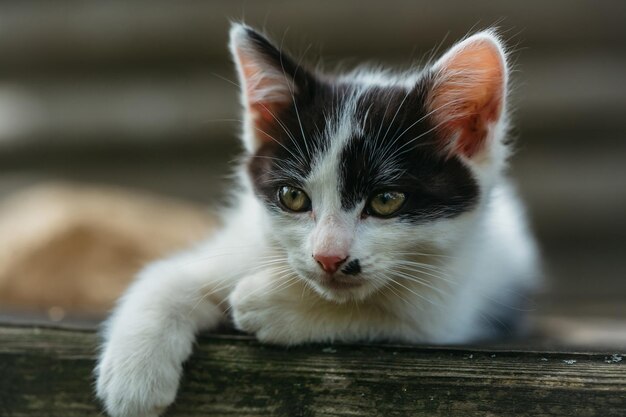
x=48 y=371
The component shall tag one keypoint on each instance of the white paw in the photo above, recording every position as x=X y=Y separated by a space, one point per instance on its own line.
x=132 y=383
x=258 y=308
x=247 y=310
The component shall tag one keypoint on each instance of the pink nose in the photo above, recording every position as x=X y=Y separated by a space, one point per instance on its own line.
x=330 y=264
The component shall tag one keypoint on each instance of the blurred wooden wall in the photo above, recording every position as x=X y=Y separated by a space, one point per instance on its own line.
x=133 y=93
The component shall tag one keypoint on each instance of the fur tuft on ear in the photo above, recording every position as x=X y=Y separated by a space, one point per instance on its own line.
x=268 y=82
x=467 y=97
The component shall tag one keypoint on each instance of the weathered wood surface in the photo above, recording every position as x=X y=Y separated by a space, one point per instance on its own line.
x=47 y=372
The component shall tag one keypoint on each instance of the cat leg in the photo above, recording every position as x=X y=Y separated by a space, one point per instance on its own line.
x=152 y=330
x=283 y=310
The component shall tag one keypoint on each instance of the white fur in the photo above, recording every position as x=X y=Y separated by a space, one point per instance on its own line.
x=260 y=266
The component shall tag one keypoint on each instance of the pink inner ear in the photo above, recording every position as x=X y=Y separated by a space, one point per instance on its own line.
x=468 y=94
x=255 y=84
x=264 y=117
x=266 y=92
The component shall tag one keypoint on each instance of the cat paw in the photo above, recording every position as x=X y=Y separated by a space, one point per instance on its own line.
x=247 y=310
x=256 y=309
x=267 y=313
x=132 y=384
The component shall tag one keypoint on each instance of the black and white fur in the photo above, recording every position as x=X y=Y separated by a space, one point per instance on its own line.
x=447 y=268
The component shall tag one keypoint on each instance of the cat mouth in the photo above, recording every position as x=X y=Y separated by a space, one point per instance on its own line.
x=338 y=284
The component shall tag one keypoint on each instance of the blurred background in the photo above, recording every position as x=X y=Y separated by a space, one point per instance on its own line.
x=116 y=134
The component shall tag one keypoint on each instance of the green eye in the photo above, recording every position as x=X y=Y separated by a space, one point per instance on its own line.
x=294 y=199
x=386 y=203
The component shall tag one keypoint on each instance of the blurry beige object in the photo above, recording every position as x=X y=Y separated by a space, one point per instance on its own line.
x=67 y=248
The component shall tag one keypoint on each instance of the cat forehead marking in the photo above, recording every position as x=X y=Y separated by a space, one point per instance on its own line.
x=325 y=180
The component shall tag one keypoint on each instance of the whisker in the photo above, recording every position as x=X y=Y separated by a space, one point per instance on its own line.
x=428 y=300
x=395 y=153
x=291 y=279
x=438 y=255
x=226 y=79
x=389 y=285
x=439 y=277
x=421 y=282
x=293 y=99
x=408 y=92
x=421 y=265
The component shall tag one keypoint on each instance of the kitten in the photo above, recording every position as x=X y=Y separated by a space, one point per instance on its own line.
x=372 y=206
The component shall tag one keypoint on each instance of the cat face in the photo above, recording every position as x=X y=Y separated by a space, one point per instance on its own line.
x=367 y=177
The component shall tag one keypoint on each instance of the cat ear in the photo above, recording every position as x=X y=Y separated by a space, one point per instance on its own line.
x=269 y=81
x=467 y=97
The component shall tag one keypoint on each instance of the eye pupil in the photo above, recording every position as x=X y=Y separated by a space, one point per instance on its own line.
x=386 y=203
x=293 y=199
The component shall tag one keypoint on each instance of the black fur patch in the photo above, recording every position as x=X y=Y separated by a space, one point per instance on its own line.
x=352 y=268
x=401 y=151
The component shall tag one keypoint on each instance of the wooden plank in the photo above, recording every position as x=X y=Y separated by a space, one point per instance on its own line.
x=48 y=371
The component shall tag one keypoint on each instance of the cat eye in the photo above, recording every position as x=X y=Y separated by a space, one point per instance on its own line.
x=294 y=199
x=386 y=203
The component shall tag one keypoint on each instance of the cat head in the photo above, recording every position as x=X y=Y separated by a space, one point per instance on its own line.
x=368 y=175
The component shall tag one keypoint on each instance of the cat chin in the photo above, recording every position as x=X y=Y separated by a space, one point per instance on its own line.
x=343 y=295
